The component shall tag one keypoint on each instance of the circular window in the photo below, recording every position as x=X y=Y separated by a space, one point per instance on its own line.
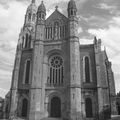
x=56 y=62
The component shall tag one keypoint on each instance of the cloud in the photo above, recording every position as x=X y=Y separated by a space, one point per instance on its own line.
x=97 y=17
x=111 y=39
x=107 y=7
x=12 y=19
x=110 y=36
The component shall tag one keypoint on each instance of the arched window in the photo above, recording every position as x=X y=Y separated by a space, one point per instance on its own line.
x=55 y=110
x=56 y=30
x=26 y=40
x=74 y=12
x=71 y=12
x=88 y=108
x=27 y=71
x=24 y=108
x=87 y=69
x=56 y=70
x=43 y=16
x=39 y=16
x=29 y=16
x=23 y=41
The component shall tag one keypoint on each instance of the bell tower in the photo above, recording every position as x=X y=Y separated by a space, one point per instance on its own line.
x=74 y=63
x=23 y=42
x=30 y=17
x=37 y=90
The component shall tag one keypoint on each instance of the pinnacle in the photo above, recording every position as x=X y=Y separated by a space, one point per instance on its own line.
x=33 y=1
x=56 y=7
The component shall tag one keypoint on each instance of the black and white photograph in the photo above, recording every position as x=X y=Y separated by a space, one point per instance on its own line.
x=59 y=59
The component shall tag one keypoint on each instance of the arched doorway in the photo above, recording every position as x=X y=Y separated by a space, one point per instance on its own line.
x=88 y=108
x=24 y=108
x=55 y=110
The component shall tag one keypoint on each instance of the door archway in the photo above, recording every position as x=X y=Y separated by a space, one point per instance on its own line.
x=88 y=108
x=55 y=110
x=24 y=107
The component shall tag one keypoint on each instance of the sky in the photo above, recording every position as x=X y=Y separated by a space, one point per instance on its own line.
x=100 y=18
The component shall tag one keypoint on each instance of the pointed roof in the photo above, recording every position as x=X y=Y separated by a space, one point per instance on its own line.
x=33 y=1
x=56 y=15
x=72 y=4
x=32 y=6
x=42 y=7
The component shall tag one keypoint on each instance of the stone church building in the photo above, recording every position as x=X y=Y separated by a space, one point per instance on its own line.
x=55 y=76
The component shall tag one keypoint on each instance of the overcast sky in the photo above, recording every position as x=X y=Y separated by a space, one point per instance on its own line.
x=99 y=18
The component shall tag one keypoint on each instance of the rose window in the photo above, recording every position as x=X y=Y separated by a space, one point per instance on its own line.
x=56 y=70
x=56 y=62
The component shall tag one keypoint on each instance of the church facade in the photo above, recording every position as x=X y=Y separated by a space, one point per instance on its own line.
x=54 y=76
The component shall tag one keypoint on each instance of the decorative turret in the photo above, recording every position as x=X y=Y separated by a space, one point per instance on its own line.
x=97 y=44
x=72 y=9
x=41 y=13
x=73 y=20
x=33 y=1
x=30 y=18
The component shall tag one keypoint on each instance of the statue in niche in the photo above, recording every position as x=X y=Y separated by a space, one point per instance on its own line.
x=56 y=31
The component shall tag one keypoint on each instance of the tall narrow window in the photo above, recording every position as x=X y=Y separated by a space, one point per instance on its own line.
x=56 y=30
x=27 y=72
x=50 y=75
x=23 y=41
x=43 y=16
x=26 y=40
x=87 y=70
x=71 y=12
x=46 y=29
x=24 y=108
x=48 y=33
x=65 y=30
x=29 y=16
x=88 y=108
x=60 y=32
x=51 y=32
x=56 y=70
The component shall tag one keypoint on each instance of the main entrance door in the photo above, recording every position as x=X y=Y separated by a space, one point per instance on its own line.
x=55 y=107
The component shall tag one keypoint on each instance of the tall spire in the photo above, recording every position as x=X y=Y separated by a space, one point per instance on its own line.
x=30 y=17
x=33 y=1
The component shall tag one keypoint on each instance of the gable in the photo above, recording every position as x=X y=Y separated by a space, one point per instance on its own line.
x=56 y=16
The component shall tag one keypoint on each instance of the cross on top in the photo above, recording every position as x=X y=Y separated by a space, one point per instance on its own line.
x=56 y=7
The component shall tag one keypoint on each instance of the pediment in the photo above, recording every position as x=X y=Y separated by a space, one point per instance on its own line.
x=56 y=16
